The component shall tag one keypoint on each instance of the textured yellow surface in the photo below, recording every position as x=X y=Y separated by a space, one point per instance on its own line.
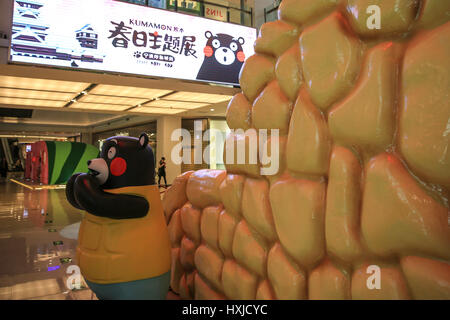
x=329 y=67
x=308 y=135
x=288 y=72
x=257 y=71
x=249 y=164
x=256 y=207
x=231 y=193
x=364 y=172
x=425 y=110
x=238 y=283
x=275 y=37
x=209 y=226
x=239 y=112
x=265 y=116
x=327 y=282
x=298 y=209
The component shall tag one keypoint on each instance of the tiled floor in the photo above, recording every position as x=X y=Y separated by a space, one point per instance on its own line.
x=30 y=261
x=33 y=265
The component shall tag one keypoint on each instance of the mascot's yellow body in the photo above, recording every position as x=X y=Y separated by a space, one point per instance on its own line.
x=113 y=251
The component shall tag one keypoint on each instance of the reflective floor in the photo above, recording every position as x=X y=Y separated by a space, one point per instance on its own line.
x=34 y=256
x=38 y=231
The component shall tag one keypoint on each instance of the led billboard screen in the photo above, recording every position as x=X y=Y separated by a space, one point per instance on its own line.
x=113 y=36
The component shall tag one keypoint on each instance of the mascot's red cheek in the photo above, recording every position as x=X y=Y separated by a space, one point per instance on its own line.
x=118 y=166
x=208 y=51
x=241 y=56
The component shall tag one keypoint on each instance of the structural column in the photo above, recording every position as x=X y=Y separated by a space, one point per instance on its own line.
x=164 y=128
x=86 y=137
x=259 y=11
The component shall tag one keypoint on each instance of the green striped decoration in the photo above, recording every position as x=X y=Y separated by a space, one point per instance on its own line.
x=66 y=158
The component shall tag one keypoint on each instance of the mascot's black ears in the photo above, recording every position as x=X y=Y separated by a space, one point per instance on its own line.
x=143 y=140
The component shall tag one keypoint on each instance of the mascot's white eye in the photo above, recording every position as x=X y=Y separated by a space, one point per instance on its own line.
x=216 y=43
x=111 y=152
x=233 y=46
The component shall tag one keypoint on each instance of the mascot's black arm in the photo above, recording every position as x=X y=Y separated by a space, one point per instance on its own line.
x=70 y=191
x=94 y=200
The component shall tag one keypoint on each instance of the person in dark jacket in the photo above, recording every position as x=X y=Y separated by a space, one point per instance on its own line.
x=162 y=171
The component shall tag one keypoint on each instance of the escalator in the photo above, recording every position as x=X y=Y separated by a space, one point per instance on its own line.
x=7 y=153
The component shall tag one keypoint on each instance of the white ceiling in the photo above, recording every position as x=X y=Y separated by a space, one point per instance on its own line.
x=43 y=93
x=87 y=104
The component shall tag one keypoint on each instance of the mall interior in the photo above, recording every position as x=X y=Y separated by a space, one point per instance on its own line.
x=224 y=149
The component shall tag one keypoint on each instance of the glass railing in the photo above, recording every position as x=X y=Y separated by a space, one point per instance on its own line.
x=220 y=10
x=271 y=12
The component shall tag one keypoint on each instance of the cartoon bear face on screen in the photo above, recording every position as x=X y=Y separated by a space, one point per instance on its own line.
x=224 y=57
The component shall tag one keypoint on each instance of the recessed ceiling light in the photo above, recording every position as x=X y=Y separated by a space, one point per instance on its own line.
x=124 y=101
x=31 y=102
x=175 y=104
x=42 y=84
x=197 y=97
x=98 y=106
x=212 y=109
x=157 y=110
x=123 y=91
x=35 y=94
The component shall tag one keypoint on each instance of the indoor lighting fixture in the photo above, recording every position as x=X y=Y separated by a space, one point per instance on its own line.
x=32 y=102
x=212 y=109
x=198 y=97
x=98 y=106
x=92 y=98
x=175 y=104
x=34 y=94
x=42 y=84
x=132 y=92
x=157 y=110
x=30 y=136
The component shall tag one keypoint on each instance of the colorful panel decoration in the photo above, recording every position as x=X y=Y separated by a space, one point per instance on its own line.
x=53 y=162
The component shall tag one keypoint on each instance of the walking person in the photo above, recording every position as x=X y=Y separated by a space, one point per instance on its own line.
x=162 y=171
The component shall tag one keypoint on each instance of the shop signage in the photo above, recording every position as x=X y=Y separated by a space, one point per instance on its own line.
x=113 y=36
x=215 y=12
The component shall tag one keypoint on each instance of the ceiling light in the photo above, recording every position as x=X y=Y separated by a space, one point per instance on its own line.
x=98 y=106
x=175 y=104
x=212 y=109
x=121 y=91
x=42 y=84
x=157 y=110
x=30 y=136
x=198 y=97
x=111 y=100
x=32 y=102
x=34 y=94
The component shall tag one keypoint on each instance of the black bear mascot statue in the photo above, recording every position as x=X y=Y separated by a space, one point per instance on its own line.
x=123 y=244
